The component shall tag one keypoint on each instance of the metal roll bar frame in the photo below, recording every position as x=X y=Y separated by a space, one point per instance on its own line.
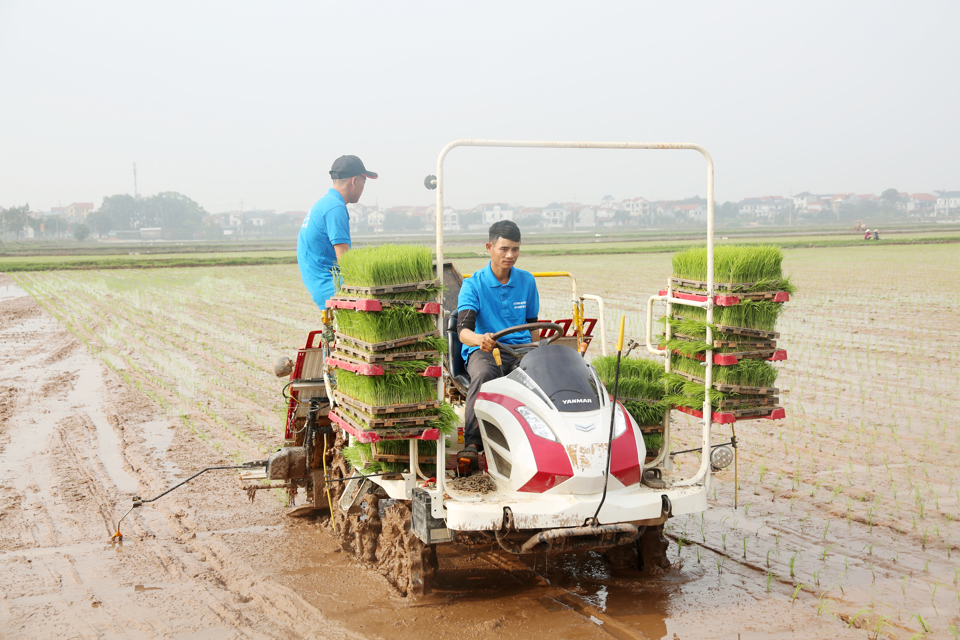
x=704 y=470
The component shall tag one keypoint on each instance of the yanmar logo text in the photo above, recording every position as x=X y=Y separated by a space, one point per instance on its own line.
x=577 y=400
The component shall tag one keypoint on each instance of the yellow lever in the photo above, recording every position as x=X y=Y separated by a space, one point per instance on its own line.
x=620 y=339
x=496 y=356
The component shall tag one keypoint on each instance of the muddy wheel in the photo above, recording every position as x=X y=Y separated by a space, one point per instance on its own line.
x=402 y=557
x=648 y=553
x=652 y=547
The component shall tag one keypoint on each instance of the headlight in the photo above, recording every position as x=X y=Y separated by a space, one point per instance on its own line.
x=619 y=422
x=537 y=425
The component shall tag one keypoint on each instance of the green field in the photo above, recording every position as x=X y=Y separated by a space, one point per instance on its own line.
x=165 y=256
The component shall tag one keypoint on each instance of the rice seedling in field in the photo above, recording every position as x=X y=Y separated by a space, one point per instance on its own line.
x=386 y=264
x=389 y=324
x=391 y=388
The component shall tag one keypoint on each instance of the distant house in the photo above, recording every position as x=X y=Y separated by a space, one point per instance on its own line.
x=765 y=206
x=494 y=212
x=554 y=215
x=78 y=211
x=691 y=212
x=584 y=217
x=921 y=203
x=451 y=219
x=948 y=203
x=375 y=221
x=638 y=208
x=150 y=233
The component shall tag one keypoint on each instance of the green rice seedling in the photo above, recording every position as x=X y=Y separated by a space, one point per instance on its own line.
x=388 y=389
x=380 y=326
x=749 y=314
x=636 y=388
x=759 y=265
x=386 y=264
x=652 y=442
x=646 y=414
x=747 y=373
x=648 y=370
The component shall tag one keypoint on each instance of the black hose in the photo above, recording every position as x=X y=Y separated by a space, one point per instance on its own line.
x=613 y=417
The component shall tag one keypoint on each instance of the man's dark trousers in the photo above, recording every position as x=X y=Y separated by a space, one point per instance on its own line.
x=482 y=368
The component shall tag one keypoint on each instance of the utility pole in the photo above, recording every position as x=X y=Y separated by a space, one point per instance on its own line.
x=134 y=180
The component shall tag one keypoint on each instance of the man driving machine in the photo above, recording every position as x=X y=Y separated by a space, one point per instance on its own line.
x=492 y=299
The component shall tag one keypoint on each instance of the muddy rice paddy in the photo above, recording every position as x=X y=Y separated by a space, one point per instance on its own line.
x=118 y=383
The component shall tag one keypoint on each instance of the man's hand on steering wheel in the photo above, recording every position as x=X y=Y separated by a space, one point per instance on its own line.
x=520 y=350
x=487 y=342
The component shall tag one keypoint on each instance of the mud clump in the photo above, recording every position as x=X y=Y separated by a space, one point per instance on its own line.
x=482 y=484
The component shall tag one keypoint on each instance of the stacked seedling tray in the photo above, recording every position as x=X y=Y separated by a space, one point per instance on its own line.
x=641 y=392
x=387 y=357
x=749 y=295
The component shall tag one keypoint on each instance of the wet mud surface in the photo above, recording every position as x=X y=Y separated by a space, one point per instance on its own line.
x=845 y=526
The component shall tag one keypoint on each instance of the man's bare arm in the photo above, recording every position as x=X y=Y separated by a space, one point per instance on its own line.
x=483 y=340
x=341 y=249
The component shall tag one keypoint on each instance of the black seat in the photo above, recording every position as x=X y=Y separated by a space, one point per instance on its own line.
x=458 y=368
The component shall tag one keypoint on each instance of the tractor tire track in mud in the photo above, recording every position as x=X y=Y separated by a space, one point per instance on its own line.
x=77 y=442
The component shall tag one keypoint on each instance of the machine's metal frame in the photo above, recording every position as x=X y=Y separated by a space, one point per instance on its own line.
x=703 y=473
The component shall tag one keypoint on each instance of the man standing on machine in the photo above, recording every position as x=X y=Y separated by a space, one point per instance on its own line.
x=492 y=299
x=325 y=234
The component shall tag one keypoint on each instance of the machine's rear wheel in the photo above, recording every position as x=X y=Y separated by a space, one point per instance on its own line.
x=402 y=557
x=382 y=538
x=648 y=553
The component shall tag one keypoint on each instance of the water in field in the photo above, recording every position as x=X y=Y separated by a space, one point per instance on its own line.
x=846 y=518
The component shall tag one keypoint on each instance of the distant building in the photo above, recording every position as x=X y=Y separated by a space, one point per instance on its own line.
x=78 y=211
x=554 y=216
x=921 y=203
x=637 y=208
x=494 y=212
x=375 y=221
x=451 y=219
x=948 y=203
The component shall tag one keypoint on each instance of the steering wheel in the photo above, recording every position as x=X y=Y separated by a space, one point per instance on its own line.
x=520 y=350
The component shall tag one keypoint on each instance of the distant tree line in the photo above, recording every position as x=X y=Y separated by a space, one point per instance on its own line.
x=178 y=216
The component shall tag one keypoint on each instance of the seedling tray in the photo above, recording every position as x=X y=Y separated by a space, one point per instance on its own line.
x=748 y=345
x=389 y=344
x=741 y=331
x=729 y=388
x=371 y=304
x=341 y=361
x=727 y=359
x=380 y=410
x=393 y=288
x=380 y=358
x=365 y=434
x=736 y=415
x=386 y=422
x=762 y=401
x=734 y=287
x=730 y=299
x=395 y=457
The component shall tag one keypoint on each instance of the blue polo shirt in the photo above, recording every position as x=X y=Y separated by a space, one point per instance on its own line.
x=327 y=224
x=499 y=306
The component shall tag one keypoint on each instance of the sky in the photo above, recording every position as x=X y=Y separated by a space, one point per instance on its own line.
x=250 y=102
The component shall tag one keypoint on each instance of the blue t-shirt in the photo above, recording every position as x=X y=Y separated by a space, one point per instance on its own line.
x=327 y=224
x=499 y=306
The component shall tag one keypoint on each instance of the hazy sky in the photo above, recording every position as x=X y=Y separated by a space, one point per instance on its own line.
x=224 y=101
